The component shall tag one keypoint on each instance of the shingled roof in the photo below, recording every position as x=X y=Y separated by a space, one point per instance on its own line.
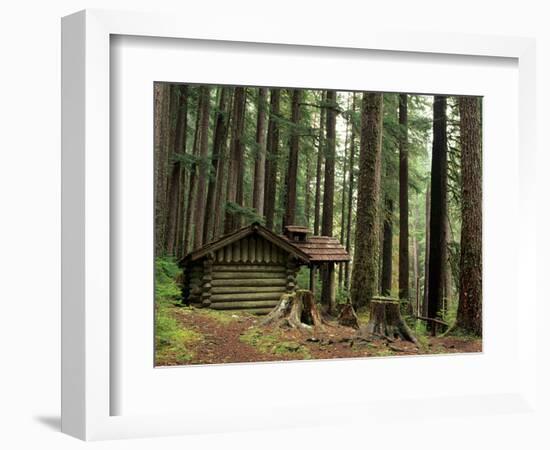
x=322 y=249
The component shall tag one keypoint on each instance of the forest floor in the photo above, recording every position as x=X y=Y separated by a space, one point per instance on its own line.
x=187 y=335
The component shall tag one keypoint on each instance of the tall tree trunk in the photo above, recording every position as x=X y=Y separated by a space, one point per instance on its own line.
x=259 y=166
x=414 y=245
x=427 y=252
x=222 y=172
x=387 y=248
x=319 y=171
x=363 y=286
x=204 y=168
x=350 y=192
x=161 y=142
x=447 y=282
x=215 y=180
x=190 y=212
x=292 y=169
x=328 y=197
x=438 y=214
x=307 y=192
x=404 y=202
x=272 y=154
x=176 y=172
x=236 y=163
x=343 y=210
x=469 y=305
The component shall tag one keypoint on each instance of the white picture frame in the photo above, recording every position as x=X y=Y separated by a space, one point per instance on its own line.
x=87 y=325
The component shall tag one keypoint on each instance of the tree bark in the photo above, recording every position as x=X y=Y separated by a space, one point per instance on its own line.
x=236 y=163
x=350 y=192
x=469 y=316
x=403 y=202
x=215 y=181
x=363 y=286
x=319 y=169
x=344 y=192
x=292 y=169
x=204 y=166
x=297 y=310
x=222 y=174
x=427 y=252
x=161 y=141
x=174 y=190
x=190 y=212
x=438 y=213
x=387 y=249
x=272 y=154
x=258 y=195
x=385 y=321
x=327 y=297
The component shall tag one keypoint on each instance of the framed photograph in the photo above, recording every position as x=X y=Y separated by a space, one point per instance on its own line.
x=251 y=219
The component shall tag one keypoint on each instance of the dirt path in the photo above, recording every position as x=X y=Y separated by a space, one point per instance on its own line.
x=222 y=342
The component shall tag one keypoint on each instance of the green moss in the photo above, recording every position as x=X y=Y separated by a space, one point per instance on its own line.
x=221 y=316
x=384 y=352
x=171 y=339
x=363 y=315
x=273 y=343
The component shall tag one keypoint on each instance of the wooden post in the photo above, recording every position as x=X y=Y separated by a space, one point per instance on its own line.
x=312 y=273
x=332 y=287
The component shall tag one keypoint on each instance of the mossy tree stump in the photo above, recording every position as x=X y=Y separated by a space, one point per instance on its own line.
x=347 y=317
x=296 y=310
x=385 y=321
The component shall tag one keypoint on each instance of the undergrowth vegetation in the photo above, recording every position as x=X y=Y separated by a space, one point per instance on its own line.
x=273 y=343
x=171 y=339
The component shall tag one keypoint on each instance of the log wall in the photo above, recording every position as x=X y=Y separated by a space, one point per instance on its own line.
x=250 y=274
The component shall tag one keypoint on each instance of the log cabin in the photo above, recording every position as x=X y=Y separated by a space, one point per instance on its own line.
x=252 y=267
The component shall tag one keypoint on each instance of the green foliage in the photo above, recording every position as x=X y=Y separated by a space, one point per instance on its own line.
x=166 y=274
x=249 y=215
x=171 y=338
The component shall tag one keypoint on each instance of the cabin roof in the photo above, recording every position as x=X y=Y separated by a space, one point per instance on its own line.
x=297 y=229
x=316 y=249
x=322 y=249
x=241 y=233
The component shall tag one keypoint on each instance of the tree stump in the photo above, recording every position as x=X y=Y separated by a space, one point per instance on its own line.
x=347 y=317
x=296 y=310
x=386 y=322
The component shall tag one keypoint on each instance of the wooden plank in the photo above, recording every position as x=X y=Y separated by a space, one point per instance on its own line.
x=245 y=305
x=247 y=289
x=244 y=250
x=250 y=282
x=249 y=268
x=228 y=254
x=244 y=275
x=252 y=249
x=237 y=251
x=216 y=298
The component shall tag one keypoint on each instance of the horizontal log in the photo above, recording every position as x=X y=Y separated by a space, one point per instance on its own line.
x=248 y=268
x=245 y=305
x=234 y=275
x=246 y=289
x=250 y=282
x=216 y=298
